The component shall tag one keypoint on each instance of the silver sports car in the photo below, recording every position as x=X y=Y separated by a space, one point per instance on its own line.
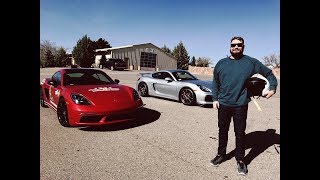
x=179 y=85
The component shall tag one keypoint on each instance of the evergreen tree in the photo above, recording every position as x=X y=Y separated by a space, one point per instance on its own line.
x=101 y=44
x=203 y=62
x=166 y=49
x=49 y=57
x=181 y=54
x=83 y=52
x=193 y=61
x=60 y=57
x=103 y=60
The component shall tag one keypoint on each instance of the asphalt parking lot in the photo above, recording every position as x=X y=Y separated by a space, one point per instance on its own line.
x=168 y=141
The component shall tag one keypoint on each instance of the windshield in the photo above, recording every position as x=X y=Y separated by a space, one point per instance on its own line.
x=86 y=78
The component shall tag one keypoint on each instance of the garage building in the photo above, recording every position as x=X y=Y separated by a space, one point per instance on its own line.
x=139 y=57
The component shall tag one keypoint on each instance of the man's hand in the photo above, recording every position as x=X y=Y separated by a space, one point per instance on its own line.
x=215 y=105
x=269 y=93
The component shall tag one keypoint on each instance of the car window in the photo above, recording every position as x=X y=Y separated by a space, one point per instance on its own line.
x=57 y=77
x=183 y=75
x=103 y=78
x=161 y=75
x=156 y=75
x=75 y=74
x=165 y=75
x=87 y=78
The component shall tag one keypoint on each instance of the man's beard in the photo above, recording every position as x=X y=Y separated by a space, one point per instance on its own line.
x=237 y=55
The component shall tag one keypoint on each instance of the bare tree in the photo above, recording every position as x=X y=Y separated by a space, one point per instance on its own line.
x=278 y=61
x=272 y=60
x=47 y=50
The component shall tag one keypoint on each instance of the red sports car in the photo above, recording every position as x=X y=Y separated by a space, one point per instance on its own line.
x=88 y=97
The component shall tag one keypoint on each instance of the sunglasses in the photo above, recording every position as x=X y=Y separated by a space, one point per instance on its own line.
x=238 y=44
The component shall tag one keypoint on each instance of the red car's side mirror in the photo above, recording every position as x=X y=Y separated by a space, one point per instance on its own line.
x=53 y=83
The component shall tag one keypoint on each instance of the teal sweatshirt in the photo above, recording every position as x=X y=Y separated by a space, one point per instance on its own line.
x=229 y=77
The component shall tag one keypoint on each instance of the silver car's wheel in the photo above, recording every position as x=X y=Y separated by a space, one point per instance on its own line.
x=187 y=96
x=62 y=113
x=143 y=89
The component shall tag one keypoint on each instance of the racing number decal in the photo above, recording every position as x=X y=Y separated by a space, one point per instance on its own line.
x=57 y=92
x=53 y=96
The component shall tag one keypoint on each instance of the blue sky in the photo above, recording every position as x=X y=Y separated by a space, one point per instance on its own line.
x=205 y=27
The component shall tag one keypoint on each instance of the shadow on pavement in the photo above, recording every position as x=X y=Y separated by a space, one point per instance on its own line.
x=258 y=142
x=172 y=100
x=144 y=116
x=207 y=106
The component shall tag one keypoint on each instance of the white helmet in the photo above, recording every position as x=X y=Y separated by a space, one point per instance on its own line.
x=257 y=85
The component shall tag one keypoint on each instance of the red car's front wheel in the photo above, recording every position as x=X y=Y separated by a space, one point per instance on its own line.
x=62 y=113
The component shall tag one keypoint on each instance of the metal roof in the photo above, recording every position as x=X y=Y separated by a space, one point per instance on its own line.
x=120 y=47
x=128 y=46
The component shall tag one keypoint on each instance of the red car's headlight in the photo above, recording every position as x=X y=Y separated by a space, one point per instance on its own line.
x=79 y=99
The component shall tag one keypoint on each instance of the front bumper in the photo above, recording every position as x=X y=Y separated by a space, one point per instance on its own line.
x=204 y=98
x=79 y=117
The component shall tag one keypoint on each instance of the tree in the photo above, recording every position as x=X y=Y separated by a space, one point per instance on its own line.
x=166 y=49
x=49 y=57
x=272 y=60
x=83 y=52
x=181 y=54
x=61 y=58
x=101 y=44
x=193 y=61
x=103 y=61
x=47 y=52
x=203 y=62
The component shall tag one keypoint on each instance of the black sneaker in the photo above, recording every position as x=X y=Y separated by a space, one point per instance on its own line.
x=217 y=160
x=242 y=168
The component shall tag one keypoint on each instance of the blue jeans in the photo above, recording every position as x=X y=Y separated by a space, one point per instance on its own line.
x=239 y=116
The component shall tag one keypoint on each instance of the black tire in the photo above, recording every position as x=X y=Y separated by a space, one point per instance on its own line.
x=62 y=113
x=42 y=103
x=187 y=96
x=143 y=89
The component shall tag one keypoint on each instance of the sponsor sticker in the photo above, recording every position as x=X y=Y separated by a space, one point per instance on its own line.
x=104 y=89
